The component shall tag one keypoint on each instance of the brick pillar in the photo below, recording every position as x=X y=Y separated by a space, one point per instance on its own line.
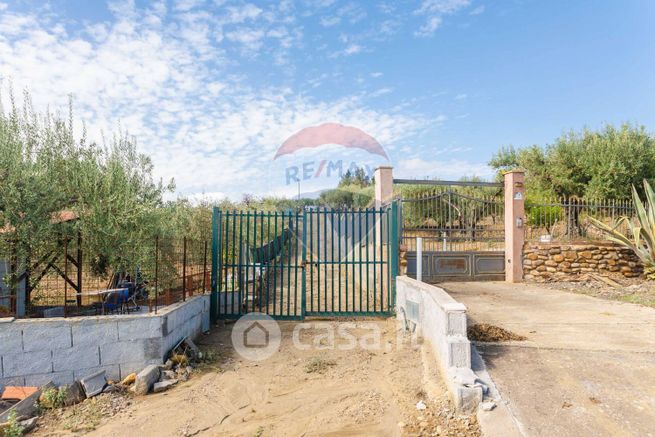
x=514 y=224
x=383 y=195
x=383 y=185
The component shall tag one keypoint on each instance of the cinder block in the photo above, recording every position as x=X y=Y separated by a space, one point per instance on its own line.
x=456 y=323
x=138 y=328
x=94 y=331
x=458 y=350
x=16 y=380
x=94 y=383
x=153 y=349
x=205 y=321
x=134 y=367
x=58 y=378
x=171 y=321
x=467 y=399
x=111 y=372
x=77 y=357
x=27 y=363
x=130 y=351
x=11 y=339
x=39 y=336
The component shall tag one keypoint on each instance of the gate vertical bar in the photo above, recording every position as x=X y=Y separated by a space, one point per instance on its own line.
x=303 y=304
x=213 y=301
x=394 y=253
x=311 y=254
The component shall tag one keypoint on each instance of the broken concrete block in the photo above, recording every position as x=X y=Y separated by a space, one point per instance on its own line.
x=29 y=424
x=192 y=346
x=27 y=407
x=146 y=379
x=164 y=385
x=74 y=394
x=111 y=389
x=94 y=383
x=167 y=374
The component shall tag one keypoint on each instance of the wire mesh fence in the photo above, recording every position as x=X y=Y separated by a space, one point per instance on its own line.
x=71 y=281
x=567 y=219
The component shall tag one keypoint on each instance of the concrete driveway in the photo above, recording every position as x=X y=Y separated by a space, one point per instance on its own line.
x=587 y=368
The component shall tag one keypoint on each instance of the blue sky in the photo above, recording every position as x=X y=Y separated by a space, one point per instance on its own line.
x=212 y=88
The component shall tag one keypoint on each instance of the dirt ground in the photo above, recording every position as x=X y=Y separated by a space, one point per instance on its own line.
x=327 y=392
x=631 y=290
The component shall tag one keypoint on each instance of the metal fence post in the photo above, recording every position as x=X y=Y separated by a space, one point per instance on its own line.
x=184 y=269
x=204 y=269
x=156 y=272
x=213 y=301
x=419 y=259
x=394 y=252
x=79 y=268
x=66 y=277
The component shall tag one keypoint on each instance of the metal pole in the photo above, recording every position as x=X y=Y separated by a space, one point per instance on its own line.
x=66 y=278
x=419 y=259
x=204 y=270
x=156 y=272
x=79 y=269
x=184 y=269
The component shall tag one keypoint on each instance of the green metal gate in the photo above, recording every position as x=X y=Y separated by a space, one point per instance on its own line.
x=318 y=262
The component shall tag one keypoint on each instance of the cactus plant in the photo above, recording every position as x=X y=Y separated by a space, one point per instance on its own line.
x=641 y=235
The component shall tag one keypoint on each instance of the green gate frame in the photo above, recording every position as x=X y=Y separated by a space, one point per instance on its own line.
x=388 y=216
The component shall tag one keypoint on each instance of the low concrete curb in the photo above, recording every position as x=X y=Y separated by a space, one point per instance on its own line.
x=441 y=320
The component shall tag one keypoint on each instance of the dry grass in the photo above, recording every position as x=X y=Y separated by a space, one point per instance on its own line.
x=319 y=365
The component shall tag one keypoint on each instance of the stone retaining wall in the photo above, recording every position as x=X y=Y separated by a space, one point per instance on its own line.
x=36 y=351
x=554 y=261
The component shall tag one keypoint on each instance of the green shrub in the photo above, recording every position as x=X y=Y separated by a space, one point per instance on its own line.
x=14 y=429
x=53 y=398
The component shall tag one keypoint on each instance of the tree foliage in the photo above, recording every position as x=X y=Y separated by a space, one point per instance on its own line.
x=592 y=164
x=45 y=170
x=355 y=190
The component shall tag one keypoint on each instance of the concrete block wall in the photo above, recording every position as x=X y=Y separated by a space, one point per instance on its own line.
x=441 y=321
x=35 y=351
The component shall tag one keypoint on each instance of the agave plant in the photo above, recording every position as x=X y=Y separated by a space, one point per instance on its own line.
x=641 y=238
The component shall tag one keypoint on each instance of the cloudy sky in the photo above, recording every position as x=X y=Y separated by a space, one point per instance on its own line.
x=211 y=88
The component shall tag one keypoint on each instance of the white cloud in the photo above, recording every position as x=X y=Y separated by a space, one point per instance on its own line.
x=185 y=5
x=477 y=11
x=434 y=11
x=240 y=14
x=380 y=92
x=330 y=21
x=349 y=50
x=429 y=27
x=168 y=80
x=461 y=96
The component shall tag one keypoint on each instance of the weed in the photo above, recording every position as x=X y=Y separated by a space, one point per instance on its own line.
x=319 y=365
x=14 y=429
x=53 y=398
x=259 y=432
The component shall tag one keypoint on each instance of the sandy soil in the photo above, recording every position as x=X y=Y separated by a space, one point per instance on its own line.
x=328 y=392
